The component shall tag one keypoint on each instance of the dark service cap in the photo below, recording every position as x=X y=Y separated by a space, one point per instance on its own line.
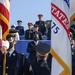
x=19 y=21
x=12 y=34
x=35 y=26
x=42 y=49
x=12 y=31
x=13 y=26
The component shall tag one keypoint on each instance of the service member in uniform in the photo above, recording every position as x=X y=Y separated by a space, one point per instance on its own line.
x=41 y=67
x=16 y=63
x=31 y=49
x=73 y=25
x=3 y=48
x=41 y=24
x=49 y=33
x=29 y=32
x=20 y=28
x=17 y=34
x=36 y=30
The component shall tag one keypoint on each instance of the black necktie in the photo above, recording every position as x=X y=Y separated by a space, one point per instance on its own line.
x=8 y=54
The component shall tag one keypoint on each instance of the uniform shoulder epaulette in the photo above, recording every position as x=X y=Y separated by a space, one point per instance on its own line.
x=30 y=68
x=73 y=53
x=22 y=54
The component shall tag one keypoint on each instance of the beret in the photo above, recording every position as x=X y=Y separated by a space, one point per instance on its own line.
x=40 y=15
x=30 y=24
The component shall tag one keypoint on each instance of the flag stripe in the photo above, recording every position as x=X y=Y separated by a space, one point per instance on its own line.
x=4 y=17
x=4 y=11
x=61 y=62
x=60 y=16
x=72 y=17
x=6 y=3
x=63 y=73
x=5 y=25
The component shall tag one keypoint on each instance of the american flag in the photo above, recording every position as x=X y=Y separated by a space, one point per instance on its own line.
x=4 y=17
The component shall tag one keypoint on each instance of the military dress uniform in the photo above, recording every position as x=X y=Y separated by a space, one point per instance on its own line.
x=41 y=24
x=42 y=27
x=49 y=33
x=73 y=64
x=29 y=34
x=32 y=52
x=73 y=59
x=49 y=60
x=16 y=63
x=41 y=67
x=20 y=30
x=39 y=33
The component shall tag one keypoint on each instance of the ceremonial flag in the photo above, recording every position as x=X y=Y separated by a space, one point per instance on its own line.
x=4 y=17
x=72 y=9
x=60 y=42
x=4 y=23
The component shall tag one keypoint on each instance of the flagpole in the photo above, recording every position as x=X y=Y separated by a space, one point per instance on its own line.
x=4 y=60
x=4 y=64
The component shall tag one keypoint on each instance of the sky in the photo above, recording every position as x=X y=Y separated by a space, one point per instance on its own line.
x=27 y=11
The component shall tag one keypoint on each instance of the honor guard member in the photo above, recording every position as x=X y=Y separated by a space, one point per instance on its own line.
x=41 y=67
x=20 y=28
x=3 y=47
x=41 y=24
x=29 y=32
x=16 y=63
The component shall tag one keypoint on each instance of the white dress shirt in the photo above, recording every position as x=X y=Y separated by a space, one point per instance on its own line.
x=10 y=52
x=36 y=42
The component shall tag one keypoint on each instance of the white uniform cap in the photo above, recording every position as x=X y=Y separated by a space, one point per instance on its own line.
x=5 y=43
